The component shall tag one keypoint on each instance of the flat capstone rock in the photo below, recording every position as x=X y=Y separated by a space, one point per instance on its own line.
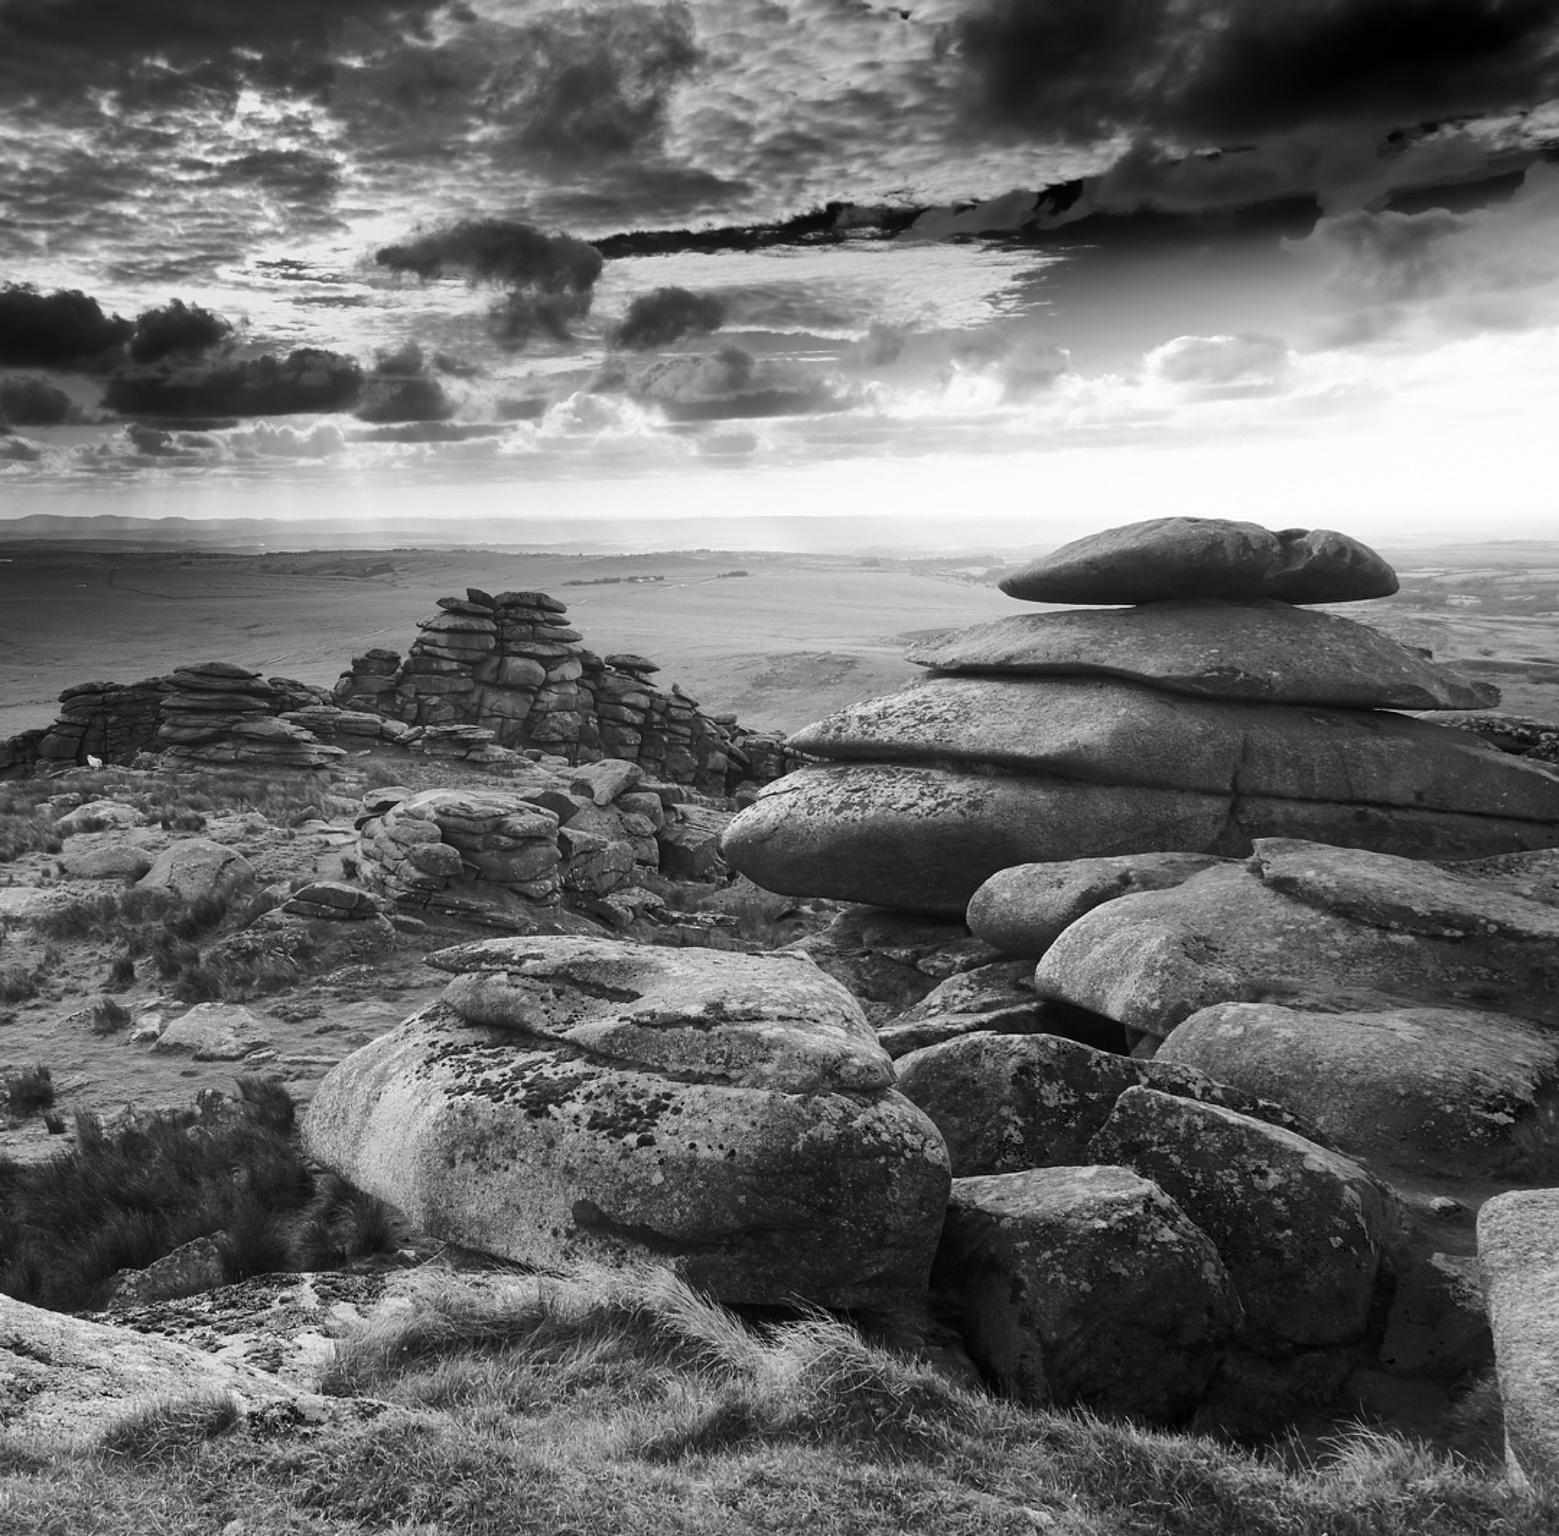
x=1179 y=557
x=1258 y=650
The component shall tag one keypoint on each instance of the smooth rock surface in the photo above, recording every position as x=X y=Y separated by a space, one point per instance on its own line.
x=924 y=839
x=195 y=868
x=213 y=1032
x=1108 y=731
x=1023 y=910
x=1448 y=1091
x=1179 y=557
x=1265 y=652
x=1518 y=1252
x=1225 y=935
x=1300 y=1229
x=1087 y=1285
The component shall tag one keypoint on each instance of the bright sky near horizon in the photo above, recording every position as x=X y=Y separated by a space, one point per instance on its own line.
x=329 y=259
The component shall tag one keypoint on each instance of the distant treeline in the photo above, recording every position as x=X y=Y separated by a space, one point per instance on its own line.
x=607 y=581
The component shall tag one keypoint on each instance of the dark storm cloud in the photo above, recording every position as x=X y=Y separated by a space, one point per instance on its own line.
x=666 y=315
x=161 y=51
x=63 y=329
x=400 y=389
x=1249 y=68
x=499 y=251
x=574 y=86
x=308 y=379
x=28 y=402
x=177 y=329
x=550 y=277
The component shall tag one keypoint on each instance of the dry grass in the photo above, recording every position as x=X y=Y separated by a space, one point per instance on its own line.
x=616 y=1402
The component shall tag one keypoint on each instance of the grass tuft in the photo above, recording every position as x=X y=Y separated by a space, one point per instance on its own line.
x=169 y=1426
x=30 y=1090
x=108 y=1017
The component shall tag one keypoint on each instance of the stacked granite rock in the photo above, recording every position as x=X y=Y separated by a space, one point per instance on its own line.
x=330 y=723
x=512 y=665
x=110 y=721
x=218 y=712
x=585 y=835
x=1212 y=711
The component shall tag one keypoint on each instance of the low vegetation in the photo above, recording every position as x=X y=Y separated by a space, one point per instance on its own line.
x=123 y=1198
x=623 y=1403
x=29 y=1090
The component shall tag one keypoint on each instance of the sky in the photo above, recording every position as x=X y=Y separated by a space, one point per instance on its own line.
x=1062 y=263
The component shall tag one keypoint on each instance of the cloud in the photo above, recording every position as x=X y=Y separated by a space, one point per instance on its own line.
x=308 y=379
x=667 y=315
x=1222 y=367
x=32 y=403
x=728 y=385
x=177 y=329
x=62 y=329
x=1215 y=72
x=503 y=252
x=400 y=389
x=550 y=277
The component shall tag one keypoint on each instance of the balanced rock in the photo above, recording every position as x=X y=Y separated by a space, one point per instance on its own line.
x=731 y=1116
x=1179 y=557
x=1088 y=1286
x=1261 y=651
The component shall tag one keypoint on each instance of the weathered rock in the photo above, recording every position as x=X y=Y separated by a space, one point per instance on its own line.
x=1089 y=1286
x=1004 y=1103
x=534 y=1150
x=107 y=860
x=98 y=816
x=1266 y=652
x=214 y=1032
x=191 y=1268
x=1448 y=1091
x=990 y=998
x=1518 y=1253
x=1225 y=935
x=195 y=869
x=1300 y=1229
x=757 y=1021
x=925 y=839
x=68 y=1380
x=1108 y=731
x=1180 y=557
x=1025 y=909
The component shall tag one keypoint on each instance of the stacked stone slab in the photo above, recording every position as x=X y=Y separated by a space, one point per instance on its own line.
x=1211 y=711
x=512 y=665
x=218 y=712
x=110 y=721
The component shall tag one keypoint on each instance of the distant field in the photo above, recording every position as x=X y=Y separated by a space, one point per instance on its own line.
x=795 y=638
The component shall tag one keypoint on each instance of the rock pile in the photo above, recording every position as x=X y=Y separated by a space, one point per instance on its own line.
x=588 y=836
x=729 y=1116
x=218 y=712
x=110 y=721
x=1211 y=713
x=512 y=665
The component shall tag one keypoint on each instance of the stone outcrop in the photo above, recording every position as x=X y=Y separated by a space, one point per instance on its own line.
x=729 y=1116
x=1212 y=714
x=512 y=665
x=489 y=680
x=588 y=837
